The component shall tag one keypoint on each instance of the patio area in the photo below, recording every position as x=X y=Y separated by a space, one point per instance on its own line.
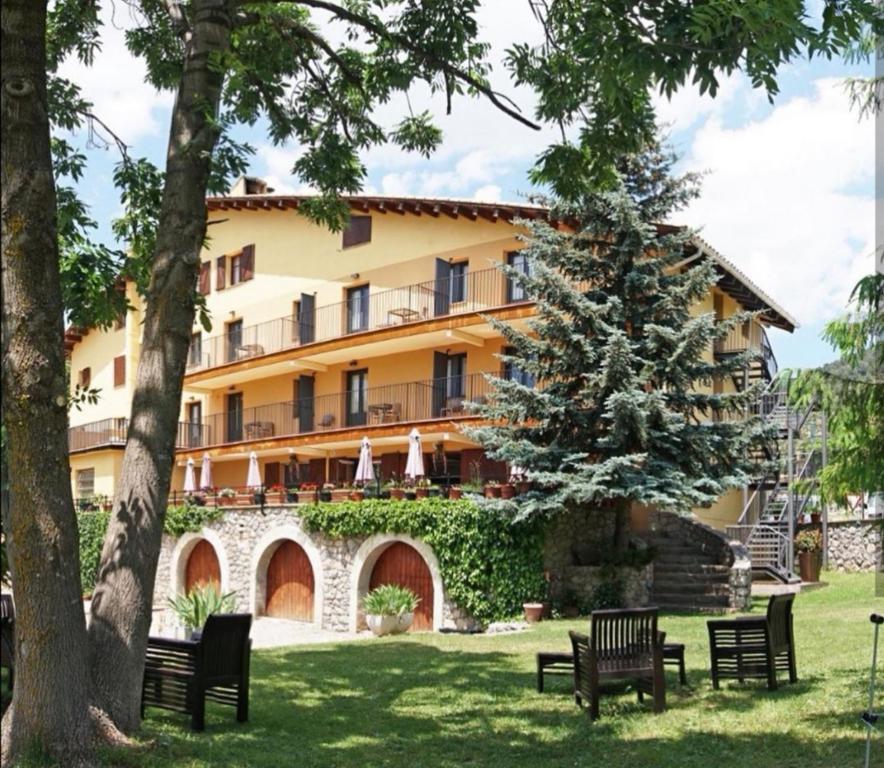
x=455 y=700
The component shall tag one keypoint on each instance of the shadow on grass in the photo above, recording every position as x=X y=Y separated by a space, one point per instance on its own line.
x=404 y=703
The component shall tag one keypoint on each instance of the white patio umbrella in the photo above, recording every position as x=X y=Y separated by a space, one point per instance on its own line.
x=189 y=480
x=206 y=473
x=254 y=480
x=414 y=465
x=518 y=471
x=365 y=468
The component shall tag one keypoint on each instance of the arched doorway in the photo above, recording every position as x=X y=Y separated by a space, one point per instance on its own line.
x=402 y=564
x=290 y=584
x=202 y=567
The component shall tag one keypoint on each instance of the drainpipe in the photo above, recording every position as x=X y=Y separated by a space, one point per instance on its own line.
x=824 y=427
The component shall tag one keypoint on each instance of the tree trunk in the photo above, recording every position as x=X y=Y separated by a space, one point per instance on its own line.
x=50 y=700
x=123 y=595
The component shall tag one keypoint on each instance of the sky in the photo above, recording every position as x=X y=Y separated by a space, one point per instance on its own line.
x=788 y=191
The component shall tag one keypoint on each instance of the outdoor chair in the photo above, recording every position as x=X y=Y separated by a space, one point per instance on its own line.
x=622 y=645
x=755 y=646
x=181 y=674
x=7 y=637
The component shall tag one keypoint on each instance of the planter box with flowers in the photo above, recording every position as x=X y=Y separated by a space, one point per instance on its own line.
x=226 y=497
x=275 y=494
x=492 y=490
x=809 y=544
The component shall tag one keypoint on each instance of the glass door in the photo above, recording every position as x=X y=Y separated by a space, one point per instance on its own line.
x=234 y=417
x=356 y=395
x=234 y=340
x=514 y=291
x=357 y=309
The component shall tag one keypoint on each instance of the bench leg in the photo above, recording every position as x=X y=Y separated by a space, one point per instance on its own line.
x=242 y=701
x=682 y=676
x=539 y=678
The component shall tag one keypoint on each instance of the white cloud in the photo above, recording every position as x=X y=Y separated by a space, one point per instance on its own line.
x=115 y=84
x=490 y=193
x=789 y=198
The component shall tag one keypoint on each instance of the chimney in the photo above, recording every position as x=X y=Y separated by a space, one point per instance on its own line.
x=249 y=185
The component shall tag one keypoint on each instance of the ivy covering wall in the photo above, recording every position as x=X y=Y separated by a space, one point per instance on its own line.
x=490 y=564
x=92 y=526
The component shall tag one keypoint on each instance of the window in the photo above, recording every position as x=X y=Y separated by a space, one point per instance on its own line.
x=357 y=309
x=84 y=378
x=85 y=483
x=242 y=267
x=234 y=417
x=194 y=424
x=120 y=371
x=519 y=261
x=514 y=373
x=236 y=269
x=195 y=356
x=234 y=340
x=205 y=280
x=458 y=284
x=220 y=273
x=357 y=384
x=357 y=231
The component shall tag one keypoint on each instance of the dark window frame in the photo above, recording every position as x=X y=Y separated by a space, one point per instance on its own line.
x=357 y=232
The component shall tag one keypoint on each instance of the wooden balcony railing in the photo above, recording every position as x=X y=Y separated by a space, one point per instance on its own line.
x=112 y=432
x=474 y=292
x=393 y=404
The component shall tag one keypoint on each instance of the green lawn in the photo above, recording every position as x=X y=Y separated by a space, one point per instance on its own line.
x=448 y=700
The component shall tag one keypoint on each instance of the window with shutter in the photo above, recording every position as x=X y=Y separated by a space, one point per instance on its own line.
x=357 y=231
x=84 y=378
x=220 y=272
x=86 y=483
x=120 y=371
x=235 y=269
x=248 y=263
x=205 y=283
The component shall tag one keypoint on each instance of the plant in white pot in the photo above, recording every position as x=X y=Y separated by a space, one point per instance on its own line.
x=389 y=609
x=197 y=605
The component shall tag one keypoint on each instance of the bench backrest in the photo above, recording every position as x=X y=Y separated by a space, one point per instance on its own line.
x=223 y=643
x=779 y=620
x=621 y=635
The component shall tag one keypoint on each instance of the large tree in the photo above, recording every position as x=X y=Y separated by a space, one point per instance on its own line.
x=614 y=402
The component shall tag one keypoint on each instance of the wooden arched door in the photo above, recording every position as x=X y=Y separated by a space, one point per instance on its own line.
x=403 y=565
x=202 y=567
x=290 y=583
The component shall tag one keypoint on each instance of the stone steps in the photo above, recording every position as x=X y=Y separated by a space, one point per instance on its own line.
x=688 y=579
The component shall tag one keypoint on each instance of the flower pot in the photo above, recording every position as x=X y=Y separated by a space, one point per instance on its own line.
x=357 y=495
x=533 y=612
x=455 y=493
x=421 y=493
x=291 y=497
x=507 y=491
x=388 y=625
x=815 y=518
x=325 y=495
x=411 y=495
x=226 y=501
x=397 y=493
x=492 y=491
x=340 y=494
x=275 y=497
x=809 y=564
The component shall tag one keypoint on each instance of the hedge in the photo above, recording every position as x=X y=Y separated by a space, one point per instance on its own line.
x=93 y=526
x=490 y=563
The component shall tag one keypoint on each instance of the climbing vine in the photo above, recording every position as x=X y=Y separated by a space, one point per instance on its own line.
x=92 y=527
x=490 y=564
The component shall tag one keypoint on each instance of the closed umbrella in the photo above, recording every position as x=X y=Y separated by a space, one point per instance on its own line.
x=414 y=466
x=189 y=480
x=365 y=468
x=518 y=471
x=254 y=480
x=206 y=473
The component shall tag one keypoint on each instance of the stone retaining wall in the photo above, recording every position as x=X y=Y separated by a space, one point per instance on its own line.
x=854 y=545
x=244 y=540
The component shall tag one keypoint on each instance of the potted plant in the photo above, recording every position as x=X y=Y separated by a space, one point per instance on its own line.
x=492 y=489
x=389 y=609
x=197 y=605
x=397 y=492
x=809 y=544
x=340 y=494
x=275 y=494
x=507 y=490
x=533 y=612
x=325 y=493
x=455 y=492
x=422 y=488
x=291 y=494
x=226 y=497
x=308 y=492
x=357 y=494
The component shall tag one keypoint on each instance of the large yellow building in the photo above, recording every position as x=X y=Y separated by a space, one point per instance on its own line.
x=321 y=338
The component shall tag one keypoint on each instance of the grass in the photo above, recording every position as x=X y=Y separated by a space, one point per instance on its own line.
x=451 y=700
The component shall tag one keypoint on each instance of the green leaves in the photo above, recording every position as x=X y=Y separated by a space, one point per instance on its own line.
x=390 y=600
x=201 y=602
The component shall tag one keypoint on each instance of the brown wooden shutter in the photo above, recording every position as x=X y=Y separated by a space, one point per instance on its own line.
x=85 y=377
x=247 y=263
x=205 y=285
x=271 y=474
x=358 y=230
x=220 y=272
x=120 y=371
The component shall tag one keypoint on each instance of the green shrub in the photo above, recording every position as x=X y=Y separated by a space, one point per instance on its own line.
x=390 y=600
x=201 y=602
x=490 y=563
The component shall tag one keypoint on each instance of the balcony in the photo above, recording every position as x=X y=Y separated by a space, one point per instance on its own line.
x=475 y=292
x=749 y=336
x=111 y=433
x=444 y=398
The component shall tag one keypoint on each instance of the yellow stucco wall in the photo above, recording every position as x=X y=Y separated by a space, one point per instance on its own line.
x=105 y=463
x=722 y=512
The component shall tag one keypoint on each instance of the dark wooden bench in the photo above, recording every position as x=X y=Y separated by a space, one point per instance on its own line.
x=755 y=646
x=181 y=674
x=622 y=645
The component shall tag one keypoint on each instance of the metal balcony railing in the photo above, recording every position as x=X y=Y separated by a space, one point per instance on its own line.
x=112 y=432
x=749 y=336
x=473 y=292
x=443 y=398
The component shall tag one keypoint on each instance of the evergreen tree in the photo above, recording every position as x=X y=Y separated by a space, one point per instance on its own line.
x=623 y=409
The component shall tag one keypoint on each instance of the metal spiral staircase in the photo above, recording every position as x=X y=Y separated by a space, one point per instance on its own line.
x=778 y=500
